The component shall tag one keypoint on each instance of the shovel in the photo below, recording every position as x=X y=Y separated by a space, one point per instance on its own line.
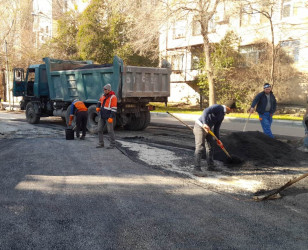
x=221 y=146
x=275 y=194
x=246 y=122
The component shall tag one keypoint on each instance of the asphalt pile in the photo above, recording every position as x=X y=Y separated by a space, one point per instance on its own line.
x=258 y=149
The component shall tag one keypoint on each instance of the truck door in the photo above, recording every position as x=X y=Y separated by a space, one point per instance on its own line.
x=19 y=85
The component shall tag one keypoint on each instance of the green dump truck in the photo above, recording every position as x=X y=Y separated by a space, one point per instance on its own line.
x=48 y=89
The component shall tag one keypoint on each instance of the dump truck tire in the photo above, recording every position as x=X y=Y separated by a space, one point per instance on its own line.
x=136 y=123
x=147 y=119
x=92 y=119
x=31 y=116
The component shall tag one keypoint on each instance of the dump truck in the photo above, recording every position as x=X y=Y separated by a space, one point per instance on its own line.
x=48 y=89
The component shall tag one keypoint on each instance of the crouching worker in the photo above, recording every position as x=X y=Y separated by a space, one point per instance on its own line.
x=211 y=117
x=81 y=111
x=107 y=109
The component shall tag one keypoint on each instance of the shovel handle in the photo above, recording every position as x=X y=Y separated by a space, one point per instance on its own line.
x=180 y=120
x=222 y=147
x=246 y=122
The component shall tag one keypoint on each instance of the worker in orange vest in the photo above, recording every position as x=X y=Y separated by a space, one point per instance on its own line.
x=79 y=109
x=107 y=109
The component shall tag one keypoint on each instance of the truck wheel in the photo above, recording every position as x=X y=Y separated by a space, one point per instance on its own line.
x=31 y=116
x=92 y=119
x=147 y=119
x=67 y=117
x=135 y=123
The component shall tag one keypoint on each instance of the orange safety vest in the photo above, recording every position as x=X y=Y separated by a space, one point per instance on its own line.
x=110 y=106
x=79 y=105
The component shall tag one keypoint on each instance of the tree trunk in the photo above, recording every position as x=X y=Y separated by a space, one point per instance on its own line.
x=272 y=77
x=209 y=71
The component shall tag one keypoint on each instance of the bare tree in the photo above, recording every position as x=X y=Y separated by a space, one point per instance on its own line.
x=150 y=17
x=265 y=8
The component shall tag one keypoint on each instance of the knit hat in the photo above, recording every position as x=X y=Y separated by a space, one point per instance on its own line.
x=266 y=85
x=231 y=104
x=107 y=86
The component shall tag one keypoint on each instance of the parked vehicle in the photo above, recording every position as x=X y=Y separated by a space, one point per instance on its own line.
x=49 y=88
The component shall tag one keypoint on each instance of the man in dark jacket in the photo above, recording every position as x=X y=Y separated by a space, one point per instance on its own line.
x=266 y=107
x=211 y=117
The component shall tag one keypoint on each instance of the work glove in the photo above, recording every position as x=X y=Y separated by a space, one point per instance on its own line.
x=70 y=121
x=98 y=109
x=110 y=120
x=219 y=143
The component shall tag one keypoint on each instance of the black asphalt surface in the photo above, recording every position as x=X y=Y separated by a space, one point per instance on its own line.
x=59 y=194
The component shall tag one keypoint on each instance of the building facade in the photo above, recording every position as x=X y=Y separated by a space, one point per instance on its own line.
x=181 y=42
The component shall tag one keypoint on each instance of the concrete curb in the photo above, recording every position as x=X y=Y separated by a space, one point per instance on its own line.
x=230 y=119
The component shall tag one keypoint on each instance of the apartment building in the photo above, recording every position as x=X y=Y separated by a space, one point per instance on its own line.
x=27 y=25
x=181 y=43
x=46 y=13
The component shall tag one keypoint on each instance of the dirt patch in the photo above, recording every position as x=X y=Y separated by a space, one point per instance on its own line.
x=258 y=149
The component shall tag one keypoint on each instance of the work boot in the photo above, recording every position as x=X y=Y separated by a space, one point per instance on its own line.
x=198 y=172
x=82 y=137
x=211 y=167
x=100 y=146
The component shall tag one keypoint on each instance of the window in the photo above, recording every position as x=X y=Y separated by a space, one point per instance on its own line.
x=179 y=29
x=252 y=53
x=292 y=8
x=177 y=62
x=286 y=8
x=212 y=26
x=291 y=48
x=196 y=53
x=196 y=27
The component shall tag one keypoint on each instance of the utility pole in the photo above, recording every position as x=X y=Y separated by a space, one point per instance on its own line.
x=7 y=76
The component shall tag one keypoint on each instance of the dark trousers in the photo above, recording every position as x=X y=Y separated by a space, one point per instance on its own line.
x=203 y=141
x=81 y=122
x=101 y=125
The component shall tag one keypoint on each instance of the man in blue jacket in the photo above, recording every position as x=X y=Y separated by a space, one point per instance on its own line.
x=211 y=117
x=266 y=107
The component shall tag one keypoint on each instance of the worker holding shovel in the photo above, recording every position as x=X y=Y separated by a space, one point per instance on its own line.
x=211 y=117
x=266 y=107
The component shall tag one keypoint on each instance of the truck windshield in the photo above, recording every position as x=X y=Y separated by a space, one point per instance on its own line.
x=31 y=76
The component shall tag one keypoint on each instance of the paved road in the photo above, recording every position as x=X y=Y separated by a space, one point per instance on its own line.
x=279 y=127
x=58 y=194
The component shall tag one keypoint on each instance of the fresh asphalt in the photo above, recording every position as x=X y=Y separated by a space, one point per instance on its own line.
x=61 y=194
